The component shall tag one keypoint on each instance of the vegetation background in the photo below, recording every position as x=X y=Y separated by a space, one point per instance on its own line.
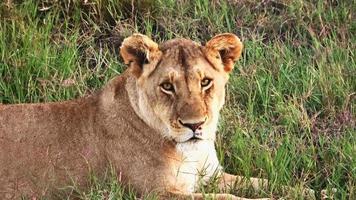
x=290 y=110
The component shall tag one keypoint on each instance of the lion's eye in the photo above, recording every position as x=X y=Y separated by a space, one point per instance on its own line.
x=205 y=83
x=167 y=87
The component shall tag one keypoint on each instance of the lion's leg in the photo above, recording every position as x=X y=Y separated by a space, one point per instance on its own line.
x=200 y=196
x=229 y=181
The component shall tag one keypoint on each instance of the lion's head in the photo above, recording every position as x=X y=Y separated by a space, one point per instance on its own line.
x=179 y=84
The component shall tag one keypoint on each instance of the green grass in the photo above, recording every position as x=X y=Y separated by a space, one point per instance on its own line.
x=290 y=112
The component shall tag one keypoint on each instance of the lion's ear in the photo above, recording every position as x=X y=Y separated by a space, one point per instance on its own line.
x=226 y=47
x=138 y=50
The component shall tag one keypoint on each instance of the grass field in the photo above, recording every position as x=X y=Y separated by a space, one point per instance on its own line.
x=290 y=114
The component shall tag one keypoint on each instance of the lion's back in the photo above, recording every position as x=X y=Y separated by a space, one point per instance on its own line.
x=41 y=149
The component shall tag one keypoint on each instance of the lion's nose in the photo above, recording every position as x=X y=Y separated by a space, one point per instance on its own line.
x=192 y=126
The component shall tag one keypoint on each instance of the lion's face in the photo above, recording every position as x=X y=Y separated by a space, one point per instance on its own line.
x=181 y=84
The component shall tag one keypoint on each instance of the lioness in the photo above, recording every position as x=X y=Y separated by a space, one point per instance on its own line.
x=155 y=125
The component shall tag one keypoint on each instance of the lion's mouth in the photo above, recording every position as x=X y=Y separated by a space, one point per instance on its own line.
x=197 y=136
x=194 y=139
x=191 y=137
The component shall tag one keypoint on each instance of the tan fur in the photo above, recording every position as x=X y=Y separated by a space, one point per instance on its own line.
x=131 y=124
